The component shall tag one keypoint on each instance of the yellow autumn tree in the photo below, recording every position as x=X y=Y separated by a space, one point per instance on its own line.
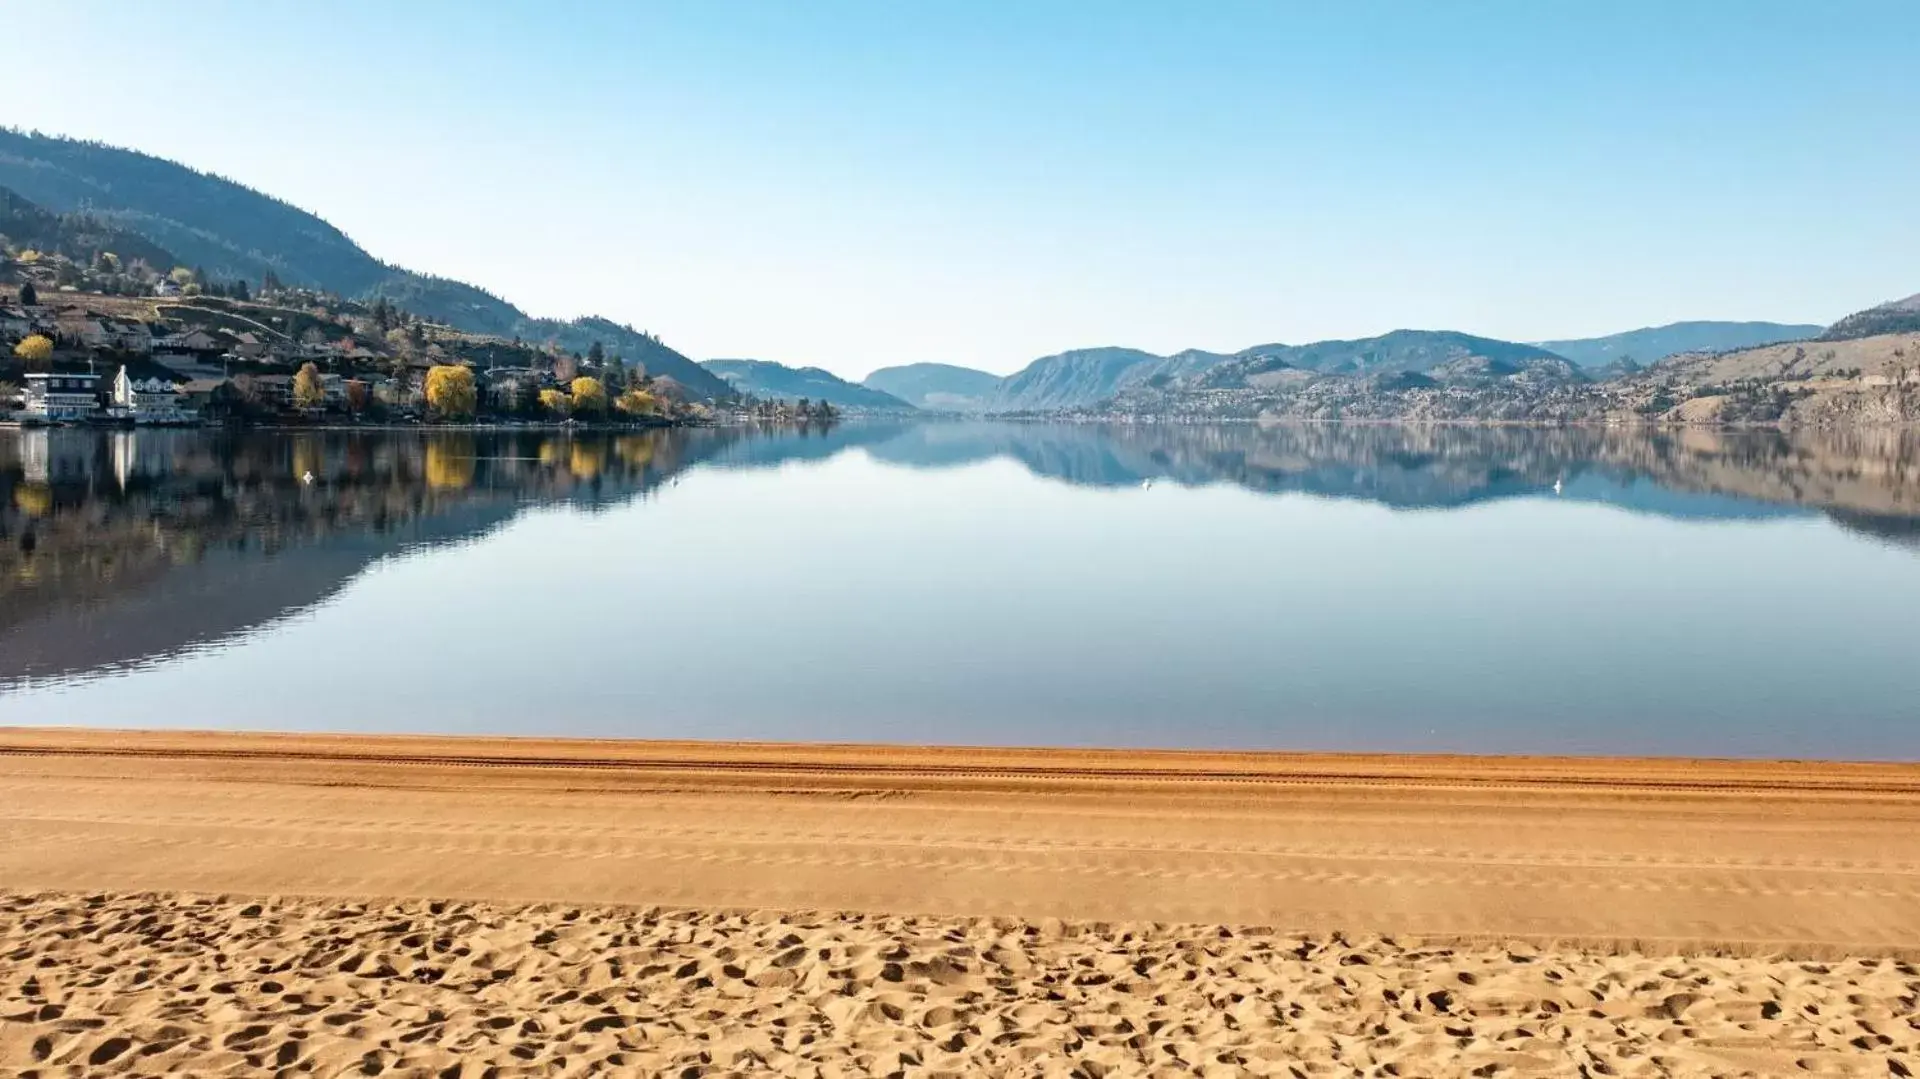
x=450 y=392
x=589 y=397
x=554 y=402
x=638 y=402
x=308 y=390
x=36 y=351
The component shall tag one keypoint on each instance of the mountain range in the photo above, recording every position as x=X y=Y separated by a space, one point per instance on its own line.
x=234 y=232
x=778 y=382
x=1082 y=378
x=1649 y=346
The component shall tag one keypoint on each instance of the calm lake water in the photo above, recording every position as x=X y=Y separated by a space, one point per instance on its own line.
x=1301 y=588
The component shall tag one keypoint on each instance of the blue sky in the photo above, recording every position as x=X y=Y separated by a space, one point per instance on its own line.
x=854 y=184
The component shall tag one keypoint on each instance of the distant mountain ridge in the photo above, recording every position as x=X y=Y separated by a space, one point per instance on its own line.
x=936 y=387
x=1896 y=316
x=778 y=382
x=1399 y=360
x=233 y=231
x=1652 y=344
x=1086 y=377
x=1398 y=352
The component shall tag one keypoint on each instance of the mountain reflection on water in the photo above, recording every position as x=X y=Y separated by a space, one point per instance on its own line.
x=122 y=547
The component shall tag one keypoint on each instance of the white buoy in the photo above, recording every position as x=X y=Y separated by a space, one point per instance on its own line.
x=1557 y=488
x=307 y=479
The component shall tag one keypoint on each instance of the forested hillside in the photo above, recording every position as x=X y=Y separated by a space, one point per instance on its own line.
x=1897 y=316
x=80 y=237
x=234 y=232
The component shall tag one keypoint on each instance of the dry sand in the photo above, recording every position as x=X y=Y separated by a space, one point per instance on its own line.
x=565 y=907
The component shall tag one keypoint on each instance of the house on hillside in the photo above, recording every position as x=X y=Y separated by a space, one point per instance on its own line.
x=128 y=335
x=278 y=389
x=74 y=330
x=210 y=398
x=198 y=344
x=102 y=334
x=248 y=346
x=14 y=325
x=275 y=389
x=45 y=319
x=252 y=346
x=149 y=399
x=507 y=388
x=60 y=398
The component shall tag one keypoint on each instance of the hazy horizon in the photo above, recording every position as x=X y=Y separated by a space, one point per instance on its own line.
x=859 y=185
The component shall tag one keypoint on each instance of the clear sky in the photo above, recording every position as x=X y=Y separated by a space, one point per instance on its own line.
x=858 y=184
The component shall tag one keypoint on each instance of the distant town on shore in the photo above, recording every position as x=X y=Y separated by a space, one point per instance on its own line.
x=194 y=351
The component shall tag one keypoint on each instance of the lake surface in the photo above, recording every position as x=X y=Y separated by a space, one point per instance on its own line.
x=1297 y=587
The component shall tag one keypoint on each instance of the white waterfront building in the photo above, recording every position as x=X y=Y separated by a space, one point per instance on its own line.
x=58 y=398
x=152 y=400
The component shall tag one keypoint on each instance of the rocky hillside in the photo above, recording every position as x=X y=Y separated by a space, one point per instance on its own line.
x=936 y=387
x=1862 y=380
x=1655 y=343
x=232 y=231
x=771 y=381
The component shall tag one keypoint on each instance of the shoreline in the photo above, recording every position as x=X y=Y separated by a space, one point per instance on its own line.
x=935 y=763
x=1805 y=857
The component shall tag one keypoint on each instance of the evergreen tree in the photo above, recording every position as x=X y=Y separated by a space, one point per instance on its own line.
x=240 y=290
x=29 y=296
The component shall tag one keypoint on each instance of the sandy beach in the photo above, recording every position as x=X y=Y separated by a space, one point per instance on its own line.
x=202 y=904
